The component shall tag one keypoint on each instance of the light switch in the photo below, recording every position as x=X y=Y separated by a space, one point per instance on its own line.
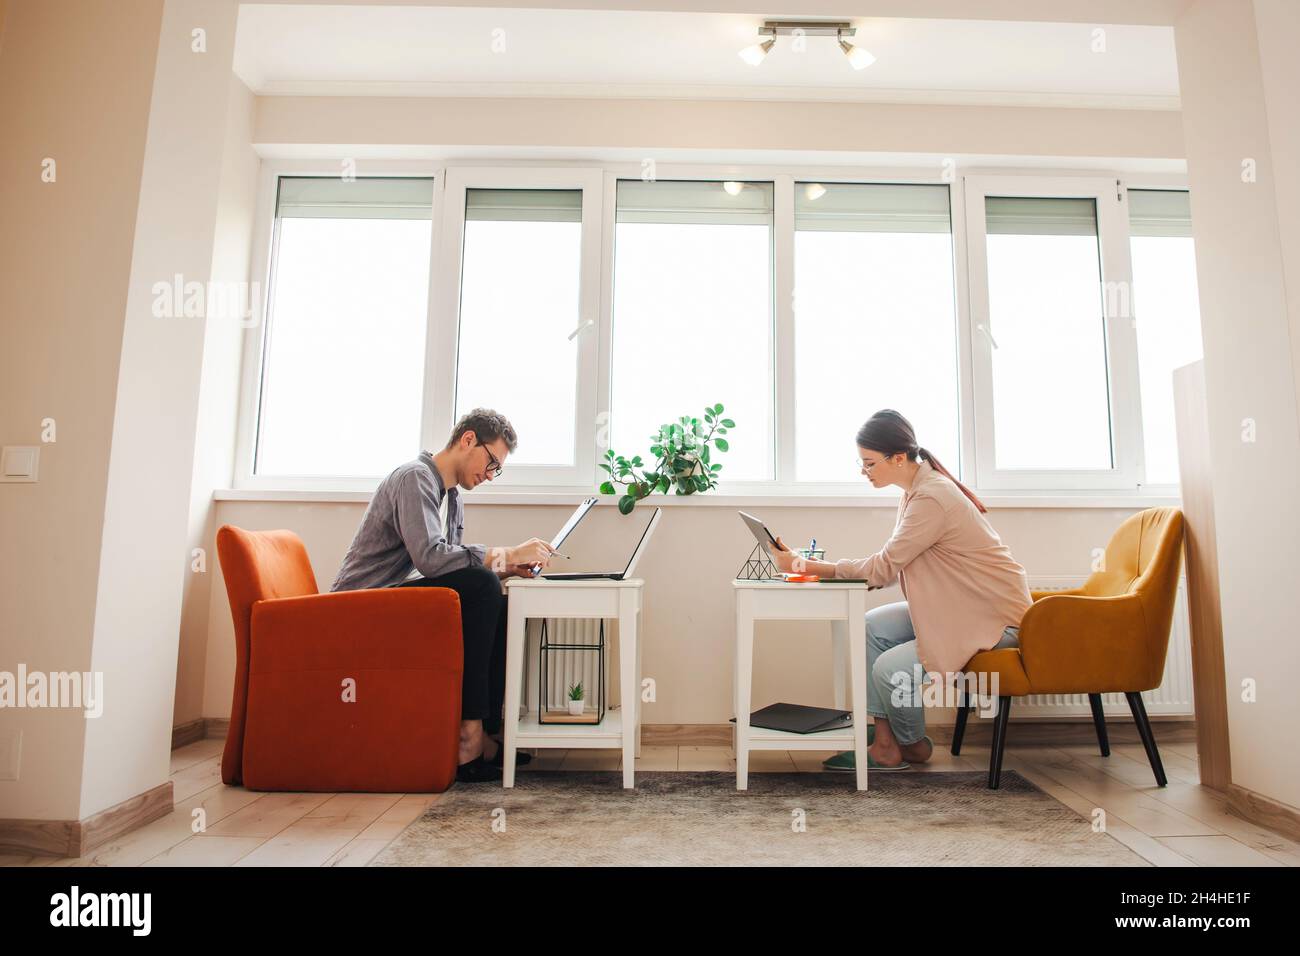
x=18 y=462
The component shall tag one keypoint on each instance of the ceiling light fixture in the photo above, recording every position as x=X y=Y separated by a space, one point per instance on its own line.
x=733 y=188
x=814 y=191
x=859 y=58
x=756 y=53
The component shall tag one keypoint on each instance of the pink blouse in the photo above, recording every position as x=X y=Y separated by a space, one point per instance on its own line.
x=961 y=584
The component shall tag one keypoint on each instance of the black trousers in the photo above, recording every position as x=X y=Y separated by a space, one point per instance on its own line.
x=483 y=629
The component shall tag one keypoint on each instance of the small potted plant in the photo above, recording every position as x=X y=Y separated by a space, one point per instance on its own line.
x=577 y=700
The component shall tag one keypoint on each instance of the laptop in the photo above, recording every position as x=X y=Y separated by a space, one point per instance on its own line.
x=579 y=513
x=612 y=575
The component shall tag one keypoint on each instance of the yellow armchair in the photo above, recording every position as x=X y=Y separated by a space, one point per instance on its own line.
x=1109 y=636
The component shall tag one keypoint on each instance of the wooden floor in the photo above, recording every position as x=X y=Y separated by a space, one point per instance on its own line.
x=1183 y=824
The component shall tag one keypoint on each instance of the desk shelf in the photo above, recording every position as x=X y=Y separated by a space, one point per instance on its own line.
x=608 y=734
x=761 y=738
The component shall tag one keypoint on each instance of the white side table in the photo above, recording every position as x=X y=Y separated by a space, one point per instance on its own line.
x=845 y=606
x=617 y=600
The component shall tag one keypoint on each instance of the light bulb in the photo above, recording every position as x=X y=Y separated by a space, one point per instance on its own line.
x=756 y=53
x=733 y=188
x=859 y=58
x=814 y=191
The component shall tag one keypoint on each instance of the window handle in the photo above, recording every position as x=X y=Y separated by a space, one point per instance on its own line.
x=584 y=325
x=988 y=335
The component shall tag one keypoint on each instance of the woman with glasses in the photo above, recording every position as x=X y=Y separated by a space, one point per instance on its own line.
x=963 y=592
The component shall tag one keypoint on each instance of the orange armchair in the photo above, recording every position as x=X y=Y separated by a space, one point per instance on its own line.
x=1109 y=636
x=292 y=726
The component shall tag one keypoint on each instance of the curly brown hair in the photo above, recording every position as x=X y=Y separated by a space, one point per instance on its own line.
x=487 y=425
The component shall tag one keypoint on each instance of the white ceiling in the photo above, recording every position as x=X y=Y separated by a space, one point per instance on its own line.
x=433 y=51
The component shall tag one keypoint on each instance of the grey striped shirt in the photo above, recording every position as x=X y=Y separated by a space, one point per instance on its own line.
x=400 y=532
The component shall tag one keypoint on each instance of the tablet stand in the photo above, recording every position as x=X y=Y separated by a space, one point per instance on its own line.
x=758 y=567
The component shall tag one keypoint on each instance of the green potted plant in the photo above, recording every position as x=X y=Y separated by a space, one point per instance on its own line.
x=577 y=699
x=682 y=453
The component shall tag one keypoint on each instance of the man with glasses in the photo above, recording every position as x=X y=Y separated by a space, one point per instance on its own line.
x=410 y=536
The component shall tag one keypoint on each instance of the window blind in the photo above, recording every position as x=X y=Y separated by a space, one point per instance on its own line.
x=331 y=197
x=1040 y=216
x=683 y=201
x=871 y=207
x=1159 y=212
x=523 y=205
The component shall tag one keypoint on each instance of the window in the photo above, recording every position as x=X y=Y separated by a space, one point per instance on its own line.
x=692 y=316
x=875 y=320
x=343 y=355
x=519 y=302
x=1055 y=369
x=1166 y=314
x=1029 y=330
x=516 y=315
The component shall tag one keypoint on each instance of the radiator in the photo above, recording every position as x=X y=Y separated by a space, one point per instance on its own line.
x=566 y=668
x=1172 y=698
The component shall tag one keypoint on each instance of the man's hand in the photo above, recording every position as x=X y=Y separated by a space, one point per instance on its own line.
x=517 y=571
x=532 y=553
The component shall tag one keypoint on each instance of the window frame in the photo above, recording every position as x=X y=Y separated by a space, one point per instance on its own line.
x=598 y=179
x=1122 y=388
x=1155 y=183
x=442 y=360
x=778 y=358
x=262 y=264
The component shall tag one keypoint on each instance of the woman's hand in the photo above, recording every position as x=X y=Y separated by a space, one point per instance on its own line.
x=784 y=559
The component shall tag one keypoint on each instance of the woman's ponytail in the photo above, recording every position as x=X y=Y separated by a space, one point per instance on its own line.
x=890 y=433
x=938 y=466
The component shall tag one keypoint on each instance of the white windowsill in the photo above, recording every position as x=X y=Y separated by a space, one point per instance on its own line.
x=1059 y=500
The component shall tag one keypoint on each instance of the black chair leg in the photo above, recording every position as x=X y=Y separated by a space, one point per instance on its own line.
x=1099 y=719
x=999 y=742
x=1148 y=740
x=959 y=728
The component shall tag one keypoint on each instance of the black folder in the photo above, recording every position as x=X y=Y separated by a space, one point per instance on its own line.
x=800 y=719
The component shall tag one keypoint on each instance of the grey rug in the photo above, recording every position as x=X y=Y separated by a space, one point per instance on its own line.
x=700 y=819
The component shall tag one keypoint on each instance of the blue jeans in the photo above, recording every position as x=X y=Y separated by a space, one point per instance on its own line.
x=891 y=660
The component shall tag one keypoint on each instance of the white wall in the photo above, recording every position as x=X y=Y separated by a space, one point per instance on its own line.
x=1234 y=110
x=75 y=81
x=214 y=441
x=1277 y=24
x=315 y=124
x=144 y=557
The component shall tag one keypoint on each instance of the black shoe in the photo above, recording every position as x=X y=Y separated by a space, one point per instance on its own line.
x=499 y=758
x=478 y=770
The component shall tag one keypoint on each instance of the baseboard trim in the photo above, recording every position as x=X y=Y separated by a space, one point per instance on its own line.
x=201 y=728
x=1263 y=811
x=1026 y=733
x=187 y=733
x=76 y=838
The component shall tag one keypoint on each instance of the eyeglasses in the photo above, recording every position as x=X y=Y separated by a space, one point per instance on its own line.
x=494 y=466
x=865 y=466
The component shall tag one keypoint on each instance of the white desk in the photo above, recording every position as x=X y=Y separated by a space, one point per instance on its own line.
x=845 y=606
x=617 y=600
